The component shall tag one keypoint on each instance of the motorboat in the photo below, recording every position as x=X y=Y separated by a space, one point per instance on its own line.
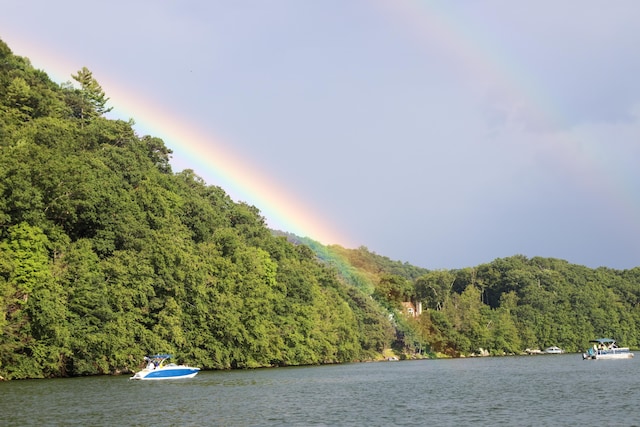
x=158 y=369
x=553 y=350
x=606 y=348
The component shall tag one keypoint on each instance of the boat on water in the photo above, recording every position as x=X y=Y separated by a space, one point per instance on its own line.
x=606 y=348
x=158 y=369
x=553 y=350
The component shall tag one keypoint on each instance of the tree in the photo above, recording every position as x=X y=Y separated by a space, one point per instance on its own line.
x=434 y=288
x=394 y=290
x=91 y=92
x=19 y=99
x=33 y=343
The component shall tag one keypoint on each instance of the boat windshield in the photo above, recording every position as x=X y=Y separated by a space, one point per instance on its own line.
x=160 y=356
x=156 y=360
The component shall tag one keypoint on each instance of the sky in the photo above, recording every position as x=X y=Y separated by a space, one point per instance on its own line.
x=444 y=134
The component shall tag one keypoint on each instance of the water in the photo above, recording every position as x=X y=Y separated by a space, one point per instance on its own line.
x=524 y=391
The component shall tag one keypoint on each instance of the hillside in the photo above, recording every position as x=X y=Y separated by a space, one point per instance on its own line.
x=502 y=307
x=515 y=303
x=106 y=255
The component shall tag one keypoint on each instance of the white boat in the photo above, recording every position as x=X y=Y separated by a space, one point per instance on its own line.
x=606 y=348
x=157 y=369
x=553 y=350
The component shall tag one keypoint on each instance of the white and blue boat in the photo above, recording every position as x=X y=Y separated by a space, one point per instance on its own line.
x=606 y=348
x=158 y=369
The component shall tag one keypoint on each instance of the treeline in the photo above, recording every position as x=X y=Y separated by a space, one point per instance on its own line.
x=508 y=305
x=106 y=255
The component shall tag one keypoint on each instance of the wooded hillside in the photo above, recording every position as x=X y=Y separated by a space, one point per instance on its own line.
x=106 y=255
x=515 y=303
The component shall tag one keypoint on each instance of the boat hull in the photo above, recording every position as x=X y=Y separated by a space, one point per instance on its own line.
x=168 y=373
x=620 y=353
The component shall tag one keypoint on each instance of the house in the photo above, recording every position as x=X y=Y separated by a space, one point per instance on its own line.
x=411 y=309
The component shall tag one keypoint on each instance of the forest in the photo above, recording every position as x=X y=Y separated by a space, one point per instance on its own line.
x=107 y=255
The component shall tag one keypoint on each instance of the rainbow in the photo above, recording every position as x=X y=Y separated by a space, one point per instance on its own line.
x=577 y=151
x=199 y=150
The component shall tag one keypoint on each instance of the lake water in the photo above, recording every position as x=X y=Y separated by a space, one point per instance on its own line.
x=523 y=391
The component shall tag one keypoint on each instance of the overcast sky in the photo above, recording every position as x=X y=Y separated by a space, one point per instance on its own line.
x=441 y=133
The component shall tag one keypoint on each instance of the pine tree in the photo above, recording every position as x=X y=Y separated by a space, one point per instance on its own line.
x=92 y=91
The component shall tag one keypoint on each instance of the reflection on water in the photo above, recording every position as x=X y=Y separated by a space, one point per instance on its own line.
x=527 y=390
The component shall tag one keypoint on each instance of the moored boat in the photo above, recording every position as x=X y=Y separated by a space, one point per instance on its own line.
x=606 y=348
x=553 y=350
x=156 y=369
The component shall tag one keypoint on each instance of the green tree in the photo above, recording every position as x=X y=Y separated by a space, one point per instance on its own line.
x=19 y=99
x=434 y=288
x=37 y=334
x=393 y=290
x=92 y=93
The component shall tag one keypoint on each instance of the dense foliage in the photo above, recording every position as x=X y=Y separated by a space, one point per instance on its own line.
x=508 y=305
x=107 y=255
